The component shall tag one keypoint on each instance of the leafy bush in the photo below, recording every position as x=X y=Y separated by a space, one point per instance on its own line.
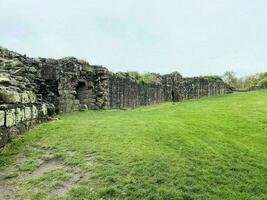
x=134 y=75
x=149 y=78
x=263 y=82
x=146 y=77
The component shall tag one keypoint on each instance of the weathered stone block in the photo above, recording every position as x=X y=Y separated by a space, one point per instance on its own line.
x=49 y=72
x=19 y=115
x=9 y=96
x=24 y=98
x=10 y=118
x=28 y=97
x=2 y=118
x=28 y=113
x=5 y=78
x=34 y=112
x=32 y=97
x=44 y=109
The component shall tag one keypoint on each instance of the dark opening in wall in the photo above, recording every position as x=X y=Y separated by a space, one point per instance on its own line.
x=80 y=90
x=1 y=99
x=172 y=96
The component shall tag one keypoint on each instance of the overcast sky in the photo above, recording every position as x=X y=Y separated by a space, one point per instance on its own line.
x=194 y=37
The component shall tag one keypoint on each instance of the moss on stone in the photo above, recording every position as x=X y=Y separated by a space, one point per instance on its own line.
x=87 y=68
x=9 y=96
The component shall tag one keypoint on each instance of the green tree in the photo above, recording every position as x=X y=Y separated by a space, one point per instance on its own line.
x=134 y=75
x=149 y=77
x=230 y=78
x=263 y=82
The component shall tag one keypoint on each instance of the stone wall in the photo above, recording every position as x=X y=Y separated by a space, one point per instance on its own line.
x=73 y=84
x=125 y=92
x=32 y=90
x=198 y=87
x=19 y=107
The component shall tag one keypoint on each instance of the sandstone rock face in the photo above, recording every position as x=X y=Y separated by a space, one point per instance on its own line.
x=32 y=90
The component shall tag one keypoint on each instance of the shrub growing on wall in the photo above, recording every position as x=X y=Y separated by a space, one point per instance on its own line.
x=134 y=75
x=147 y=77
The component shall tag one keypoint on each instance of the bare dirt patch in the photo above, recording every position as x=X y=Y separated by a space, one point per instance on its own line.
x=76 y=178
x=47 y=163
x=66 y=186
x=6 y=192
x=47 y=166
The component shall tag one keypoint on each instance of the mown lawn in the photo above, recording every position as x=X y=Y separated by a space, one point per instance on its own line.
x=213 y=148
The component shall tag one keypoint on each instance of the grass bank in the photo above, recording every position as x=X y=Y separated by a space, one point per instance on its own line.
x=213 y=148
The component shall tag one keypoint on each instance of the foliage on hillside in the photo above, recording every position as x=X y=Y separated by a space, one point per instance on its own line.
x=246 y=82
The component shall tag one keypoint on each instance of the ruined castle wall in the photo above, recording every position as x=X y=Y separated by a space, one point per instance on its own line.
x=172 y=84
x=21 y=102
x=19 y=108
x=126 y=92
x=197 y=87
x=17 y=118
x=32 y=90
x=74 y=85
x=61 y=78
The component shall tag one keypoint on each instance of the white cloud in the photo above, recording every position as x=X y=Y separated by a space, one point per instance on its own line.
x=191 y=36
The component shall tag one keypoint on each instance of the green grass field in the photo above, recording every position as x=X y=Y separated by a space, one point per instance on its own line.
x=213 y=148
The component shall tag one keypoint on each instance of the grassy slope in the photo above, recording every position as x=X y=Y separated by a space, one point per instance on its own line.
x=213 y=148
